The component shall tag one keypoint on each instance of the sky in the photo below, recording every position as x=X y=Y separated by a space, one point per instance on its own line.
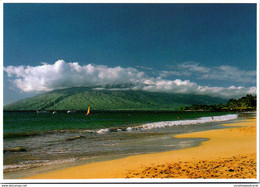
x=206 y=49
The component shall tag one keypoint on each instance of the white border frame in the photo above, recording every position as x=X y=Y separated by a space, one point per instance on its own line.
x=178 y=182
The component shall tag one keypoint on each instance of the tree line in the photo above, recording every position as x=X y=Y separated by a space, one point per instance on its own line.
x=246 y=103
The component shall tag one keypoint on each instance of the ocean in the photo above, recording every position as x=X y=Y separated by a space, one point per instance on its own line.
x=33 y=140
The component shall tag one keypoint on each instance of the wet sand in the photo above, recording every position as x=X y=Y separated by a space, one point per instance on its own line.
x=229 y=153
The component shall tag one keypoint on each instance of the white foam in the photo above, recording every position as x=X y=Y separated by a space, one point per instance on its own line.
x=27 y=164
x=129 y=128
x=101 y=131
x=186 y=122
x=176 y=123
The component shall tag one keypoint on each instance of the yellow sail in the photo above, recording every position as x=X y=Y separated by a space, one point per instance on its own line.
x=88 y=110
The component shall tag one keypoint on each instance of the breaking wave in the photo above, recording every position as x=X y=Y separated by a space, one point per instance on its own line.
x=189 y=122
x=163 y=124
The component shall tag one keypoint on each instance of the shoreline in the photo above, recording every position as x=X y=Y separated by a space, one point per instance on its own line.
x=237 y=142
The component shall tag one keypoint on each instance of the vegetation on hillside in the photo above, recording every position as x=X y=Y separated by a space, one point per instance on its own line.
x=247 y=103
x=82 y=97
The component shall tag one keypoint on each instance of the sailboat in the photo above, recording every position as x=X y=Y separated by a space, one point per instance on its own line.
x=71 y=111
x=88 y=111
x=54 y=112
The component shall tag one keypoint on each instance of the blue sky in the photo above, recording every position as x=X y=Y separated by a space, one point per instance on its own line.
x=181 y=48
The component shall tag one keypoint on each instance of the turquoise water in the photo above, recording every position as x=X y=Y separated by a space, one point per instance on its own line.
x=70 y=139
x=23 y=123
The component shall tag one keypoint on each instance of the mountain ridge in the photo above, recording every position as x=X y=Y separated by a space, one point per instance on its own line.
x=79 y=98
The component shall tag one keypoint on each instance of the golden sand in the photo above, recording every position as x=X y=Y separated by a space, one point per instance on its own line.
x=232 y=167
x=229 y=153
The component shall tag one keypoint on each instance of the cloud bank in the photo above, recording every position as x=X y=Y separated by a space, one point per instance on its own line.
x=47 y=77
x=224 y=72
x=59 y=75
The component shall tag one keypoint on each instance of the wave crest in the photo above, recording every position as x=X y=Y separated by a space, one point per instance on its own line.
x=189 y=122
x=163 y=124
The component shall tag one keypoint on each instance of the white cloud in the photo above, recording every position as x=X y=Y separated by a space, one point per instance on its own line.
x=194 y=67
x=174 y=73
x=229 y=92
x=179 y=86
x=144 y=67
x=224 y=72
x=46 y=77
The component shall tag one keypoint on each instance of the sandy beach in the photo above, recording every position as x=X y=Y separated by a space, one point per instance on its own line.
x=229 y=153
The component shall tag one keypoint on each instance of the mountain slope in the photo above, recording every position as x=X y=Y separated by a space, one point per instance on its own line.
x=82 y=97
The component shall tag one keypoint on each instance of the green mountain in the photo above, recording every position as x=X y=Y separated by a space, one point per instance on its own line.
x=81 y=97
